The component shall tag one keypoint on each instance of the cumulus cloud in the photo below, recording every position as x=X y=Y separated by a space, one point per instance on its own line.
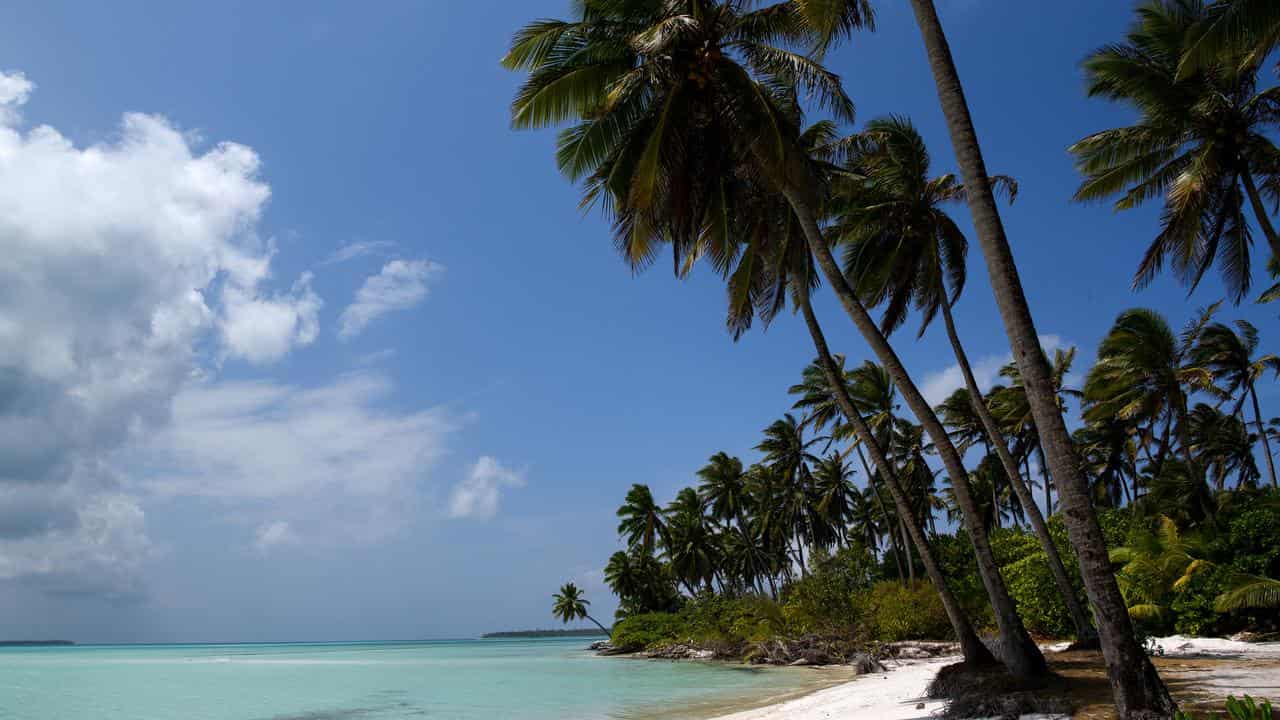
x=127 y=265
x=938 y=386
x=480 y=492
x=330 y=459
x=400 y=285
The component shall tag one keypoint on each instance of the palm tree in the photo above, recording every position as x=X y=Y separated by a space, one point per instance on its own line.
x=723 y=490
x=678 y=121
x=640 y=519
x=570 y=605
x=1229 y=355
x=1247 y=29
x=1200 y=144
x=1143 y=374
x=1136 y=686
x=903 y=249
x=1223 y=445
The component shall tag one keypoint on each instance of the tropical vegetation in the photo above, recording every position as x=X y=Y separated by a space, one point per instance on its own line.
x=686 y=123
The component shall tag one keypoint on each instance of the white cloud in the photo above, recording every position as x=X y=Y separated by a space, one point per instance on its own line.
x=127 y=267
x=276 y=533
x=357 y=249
x=327 y=460
x=479 y=494
x=400 y=285
x=938 y=386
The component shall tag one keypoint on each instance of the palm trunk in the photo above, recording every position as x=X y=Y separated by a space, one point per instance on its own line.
x=1260 y=213
x=970 y=645
x=1137 y=688
x=1262 y=433
x=1048 y=480
x=1020 y=654
x=1084 y=628
x=888 y=519
x=605 y=629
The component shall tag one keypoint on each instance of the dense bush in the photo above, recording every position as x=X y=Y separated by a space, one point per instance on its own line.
x=894 y=611
x=646 y=630
x=824 y=601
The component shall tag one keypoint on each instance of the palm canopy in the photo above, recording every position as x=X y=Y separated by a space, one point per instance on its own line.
x=640 y=518
x=1200 y=145
x=724 y=487
x=1247 y=29
x=902 y=248
x=677 y=107
x=569 y=605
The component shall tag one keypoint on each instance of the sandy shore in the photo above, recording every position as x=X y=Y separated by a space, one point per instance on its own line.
x=893 y=695
x=1223 y=667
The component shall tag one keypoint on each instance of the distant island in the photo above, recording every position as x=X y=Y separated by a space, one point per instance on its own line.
x=34 y=643
x=586 y=632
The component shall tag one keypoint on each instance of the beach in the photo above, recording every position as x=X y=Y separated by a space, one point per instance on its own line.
x=1201 y=672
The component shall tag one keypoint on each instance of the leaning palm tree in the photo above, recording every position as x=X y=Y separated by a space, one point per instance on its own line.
x=1136 y=686
x=904 y=250
x=570 y=605
x=1201 y=145
x=640 y=519
x=678 y=120
x=1229 y=355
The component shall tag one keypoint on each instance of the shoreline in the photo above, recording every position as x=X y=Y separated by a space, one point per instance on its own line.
x=898 y=692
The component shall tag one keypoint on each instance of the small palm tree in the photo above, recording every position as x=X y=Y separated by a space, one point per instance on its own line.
x=1229 y=355
x=569 y=605
x=1200 y=145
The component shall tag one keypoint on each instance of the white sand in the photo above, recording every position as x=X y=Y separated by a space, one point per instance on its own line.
x=891 y=695
x=1182 y=646
x=898 y=693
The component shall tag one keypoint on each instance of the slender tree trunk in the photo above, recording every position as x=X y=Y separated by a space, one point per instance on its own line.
x=1138 y=689
x=970 y=645
x=1084 y=628
x=888 y=519
x=1048 y=481
x=605 y=629
x=1262 y=433
x=1260 y=213
x=910 y=561
x=1019 y=653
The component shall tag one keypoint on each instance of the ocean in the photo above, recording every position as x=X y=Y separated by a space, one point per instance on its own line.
x=533 y=679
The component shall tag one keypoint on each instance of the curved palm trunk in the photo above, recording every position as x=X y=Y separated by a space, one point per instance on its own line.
x=970 y=645
x=1084 y=628
x=605 y=629
x=1019 y=653
x=888 y=519
x=1135 y=684
x=1262 y=433
x=1260 y=213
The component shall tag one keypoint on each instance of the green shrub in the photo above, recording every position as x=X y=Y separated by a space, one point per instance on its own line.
x=647 y=630
x=1192 y=604
x=1253 y=540
x=824 y=601
x=894 y=611
x=734 y=620
x=1037 y=596
x=955 y=557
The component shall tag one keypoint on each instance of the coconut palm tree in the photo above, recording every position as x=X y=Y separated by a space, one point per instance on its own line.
x=678 y=122
x=1200 y=145
x=904 y=250
x=1229 y=356
x=1244 y=29
x=1143 y=375
x=570 y=605
x=1223 y=445
x=640 y=519
x=1136 y=686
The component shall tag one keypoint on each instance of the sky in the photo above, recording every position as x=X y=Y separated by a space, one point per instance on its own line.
x=299 y=340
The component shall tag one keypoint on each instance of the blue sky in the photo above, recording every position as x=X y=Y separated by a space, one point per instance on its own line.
x=419 y=381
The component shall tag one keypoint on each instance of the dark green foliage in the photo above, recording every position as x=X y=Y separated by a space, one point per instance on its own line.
x=825 y=601
x=1192 y=605
x=905 y=612
x=646 y=630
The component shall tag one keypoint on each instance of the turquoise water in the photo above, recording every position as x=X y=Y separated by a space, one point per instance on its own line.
x=458 y=680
